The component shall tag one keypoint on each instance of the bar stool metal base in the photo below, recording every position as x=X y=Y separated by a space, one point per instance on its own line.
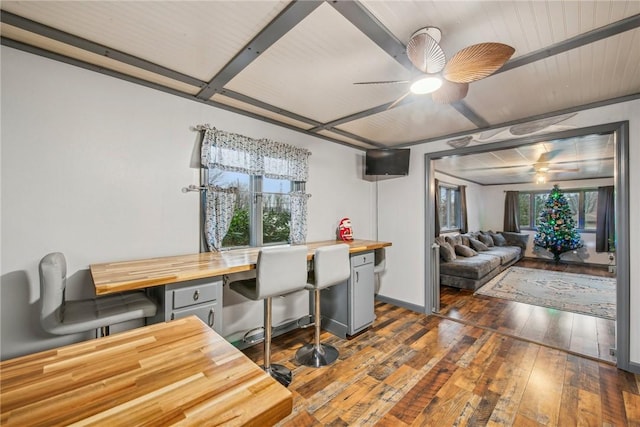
x=280 y=373
x=316 y=356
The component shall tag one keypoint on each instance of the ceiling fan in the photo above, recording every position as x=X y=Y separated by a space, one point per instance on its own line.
x=540 y=167
x=448 y=81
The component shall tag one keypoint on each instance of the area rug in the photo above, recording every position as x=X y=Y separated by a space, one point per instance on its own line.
x=578 y=293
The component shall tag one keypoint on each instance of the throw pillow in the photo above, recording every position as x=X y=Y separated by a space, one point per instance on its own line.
x=486 y=239
x=465 y=251
x=465 y=240
x=498 y=239
x=473 y=234
x=446 y=252
x=454 y=240
x=478 y=245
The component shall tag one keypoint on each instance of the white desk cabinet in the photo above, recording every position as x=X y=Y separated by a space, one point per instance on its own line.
x=348 y=308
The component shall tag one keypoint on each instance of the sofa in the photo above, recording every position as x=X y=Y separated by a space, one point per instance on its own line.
x=470 y=260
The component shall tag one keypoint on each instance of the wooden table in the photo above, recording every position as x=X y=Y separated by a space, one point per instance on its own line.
x=175 y=373
x=130 y=275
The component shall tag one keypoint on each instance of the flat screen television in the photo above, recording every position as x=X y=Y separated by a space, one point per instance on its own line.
x=387 y=161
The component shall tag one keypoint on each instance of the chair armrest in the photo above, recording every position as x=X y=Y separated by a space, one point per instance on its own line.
x=516 y=239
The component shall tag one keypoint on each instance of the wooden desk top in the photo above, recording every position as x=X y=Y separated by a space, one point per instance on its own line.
x=129 y=275
x=175 y=373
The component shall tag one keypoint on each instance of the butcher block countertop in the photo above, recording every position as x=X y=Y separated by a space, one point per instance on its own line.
x=138 y=274
x=175 y=373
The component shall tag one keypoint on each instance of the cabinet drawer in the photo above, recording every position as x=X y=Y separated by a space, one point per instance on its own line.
x=191 y=295
x=362 y=259
x=206 y=313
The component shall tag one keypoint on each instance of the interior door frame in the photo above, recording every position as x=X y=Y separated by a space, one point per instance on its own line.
x=620 y=131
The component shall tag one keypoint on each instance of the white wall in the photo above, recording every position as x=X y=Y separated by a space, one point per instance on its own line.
x=402 y=217
x=92 y=166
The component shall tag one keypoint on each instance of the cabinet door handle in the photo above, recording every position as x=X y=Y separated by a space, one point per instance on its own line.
x=212 y=317
x=357 y=277
x=196 y=295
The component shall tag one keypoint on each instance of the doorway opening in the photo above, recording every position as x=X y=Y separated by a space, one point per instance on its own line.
x=487 y=171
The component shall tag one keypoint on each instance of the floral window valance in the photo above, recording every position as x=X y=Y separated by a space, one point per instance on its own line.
x=238 y=153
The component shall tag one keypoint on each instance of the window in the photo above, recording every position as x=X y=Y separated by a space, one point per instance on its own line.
x=583 y=205
x=262 y=213
x=449 y=213
x=254 y=191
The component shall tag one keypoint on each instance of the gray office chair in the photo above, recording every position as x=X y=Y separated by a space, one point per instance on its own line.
x=331 y=266
x=279 y=271
x=61 y=317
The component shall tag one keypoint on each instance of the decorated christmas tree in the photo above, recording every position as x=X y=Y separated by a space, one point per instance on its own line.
x=556 y=229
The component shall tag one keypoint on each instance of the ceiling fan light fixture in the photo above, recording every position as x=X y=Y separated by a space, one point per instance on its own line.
x=541 y=178
x=426 y=85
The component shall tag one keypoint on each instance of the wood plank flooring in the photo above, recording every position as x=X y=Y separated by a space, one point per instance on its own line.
x=586 y=335
x=410 y=369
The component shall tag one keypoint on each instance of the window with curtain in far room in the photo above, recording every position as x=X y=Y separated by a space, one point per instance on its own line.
x=449 y=208
x=583 y=204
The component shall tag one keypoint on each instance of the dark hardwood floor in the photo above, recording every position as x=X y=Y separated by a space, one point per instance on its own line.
x=410 y=369
x=586 y=335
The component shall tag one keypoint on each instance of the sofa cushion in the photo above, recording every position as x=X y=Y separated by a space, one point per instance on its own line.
x=474 y=267
x=506 y=254
x=498 y=239
x=477 y=245
x=464 y=251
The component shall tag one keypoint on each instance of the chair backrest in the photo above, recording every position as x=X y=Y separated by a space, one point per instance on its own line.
x=53 y=282
x=281 y=270
x=331 y=265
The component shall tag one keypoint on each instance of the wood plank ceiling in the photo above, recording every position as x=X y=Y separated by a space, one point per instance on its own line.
x=294 y=63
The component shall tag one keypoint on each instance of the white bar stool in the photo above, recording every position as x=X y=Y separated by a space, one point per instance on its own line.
x=331 y=266
x=279 y=271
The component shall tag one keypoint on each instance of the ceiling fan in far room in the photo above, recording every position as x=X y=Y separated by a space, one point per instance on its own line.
x=541 y=168
x=448 y=81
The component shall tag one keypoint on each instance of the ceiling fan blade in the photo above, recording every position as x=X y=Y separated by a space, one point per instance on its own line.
x=564 y=170
x=382 y=82
x=397 y=101
x=497 y=167
x=450 y=92
x=547 y=156
x=424 y=52
x=477 y=62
